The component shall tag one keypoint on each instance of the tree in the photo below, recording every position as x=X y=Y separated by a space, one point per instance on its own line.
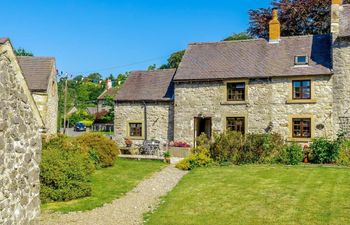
x=174 y=60
x=152 y=67
x=94 y=77
x=22 y=52
x=238 y=36
x=297 y=17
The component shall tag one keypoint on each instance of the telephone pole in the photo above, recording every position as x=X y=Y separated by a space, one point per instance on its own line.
x=65 y=105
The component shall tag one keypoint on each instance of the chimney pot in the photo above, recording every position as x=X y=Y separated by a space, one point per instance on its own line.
x=274 y=27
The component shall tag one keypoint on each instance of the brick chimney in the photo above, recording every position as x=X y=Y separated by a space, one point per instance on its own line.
x=274 y=27
x=108 y=84
x=335 y=16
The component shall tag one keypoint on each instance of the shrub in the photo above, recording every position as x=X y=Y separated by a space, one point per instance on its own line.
x=64 y=172
x=227 y=147
x=235 y=148
x=87 y=123
x=292 y=154
x=324 y=150
x=101 y=150
x=344 y=154
x=199 y=158
x=261 y=148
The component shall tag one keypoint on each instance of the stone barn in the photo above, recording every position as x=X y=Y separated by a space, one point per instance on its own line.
x=20 y=143
x=40 y=74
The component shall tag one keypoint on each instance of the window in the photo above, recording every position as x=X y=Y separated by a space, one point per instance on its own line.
x=135 y=129
x=302 y=89
x=301 y=60
x=236 y=124
x=236 y=91
x=301 y=128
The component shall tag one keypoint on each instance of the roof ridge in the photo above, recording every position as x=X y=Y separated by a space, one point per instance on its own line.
x=38 y=57
x=254 y=39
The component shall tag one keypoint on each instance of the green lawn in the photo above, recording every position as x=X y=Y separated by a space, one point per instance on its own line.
x=258 y=195
x=109 y=184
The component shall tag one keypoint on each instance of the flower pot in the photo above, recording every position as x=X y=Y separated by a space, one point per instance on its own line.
x=167 y=160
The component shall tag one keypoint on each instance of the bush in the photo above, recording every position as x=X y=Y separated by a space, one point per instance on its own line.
x=344 y=154
x=292 y=154
x=227 y=147
x=324 y=150
x=235 y=148
x=101 y=150
x=64 y=172
x=87 y=123
x=261 y=148
x=199 y=158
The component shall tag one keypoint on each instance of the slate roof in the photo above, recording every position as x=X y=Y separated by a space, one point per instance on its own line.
x=36 y=71
x=154 y=85
x=344 y=21
x=255 y=58
x=110 y=92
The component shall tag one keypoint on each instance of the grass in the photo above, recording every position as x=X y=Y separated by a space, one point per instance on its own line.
x=258 y=195
x=109 y=184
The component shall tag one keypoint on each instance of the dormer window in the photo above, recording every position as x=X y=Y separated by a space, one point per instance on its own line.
x=301 y=60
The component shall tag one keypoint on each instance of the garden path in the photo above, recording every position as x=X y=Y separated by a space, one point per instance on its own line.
x=127 y=210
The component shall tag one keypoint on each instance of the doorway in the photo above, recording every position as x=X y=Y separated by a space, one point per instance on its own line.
x=202 y=125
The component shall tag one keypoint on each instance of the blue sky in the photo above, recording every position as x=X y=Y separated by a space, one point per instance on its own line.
x=111 y=36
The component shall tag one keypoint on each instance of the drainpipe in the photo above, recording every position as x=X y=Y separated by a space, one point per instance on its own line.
x=145 y=118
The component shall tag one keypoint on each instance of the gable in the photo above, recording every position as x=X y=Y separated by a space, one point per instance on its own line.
x=37 y=71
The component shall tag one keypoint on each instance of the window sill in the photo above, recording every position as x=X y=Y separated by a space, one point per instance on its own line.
x=299 y=139
x=234 y=103
x=301 y=101
x=137 y=138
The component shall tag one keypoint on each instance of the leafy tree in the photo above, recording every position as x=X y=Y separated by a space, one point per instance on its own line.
x=121 y=79
x=22 y=52
x=238 y=36
x=174 y=60
x=297 y=17
x=94 y=77
x=152 y=67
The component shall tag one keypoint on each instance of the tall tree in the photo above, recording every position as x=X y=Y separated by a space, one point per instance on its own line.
x=174 y=60
x=297 y=17
x=22 y=52
x=238 y=36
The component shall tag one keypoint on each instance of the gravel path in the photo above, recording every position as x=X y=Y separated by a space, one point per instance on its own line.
x=129 y=209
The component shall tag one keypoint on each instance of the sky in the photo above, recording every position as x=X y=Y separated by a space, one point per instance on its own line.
x=112 y=36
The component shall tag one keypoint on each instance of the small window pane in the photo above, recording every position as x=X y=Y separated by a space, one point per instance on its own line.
x=302 y=89
x=301 y=60
x=301 y=128
x=236 y=124
x=135 y=129
x=235 y=91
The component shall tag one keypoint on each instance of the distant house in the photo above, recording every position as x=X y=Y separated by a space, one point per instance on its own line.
x=40 y=74
x=296 y=86
x=109 y=92
x=145 y=105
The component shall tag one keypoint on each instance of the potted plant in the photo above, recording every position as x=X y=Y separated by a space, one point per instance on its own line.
x=306 y=153
x=128 y=142
x=167 y=157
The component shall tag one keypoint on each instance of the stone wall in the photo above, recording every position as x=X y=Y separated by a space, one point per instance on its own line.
x=20 y=145
x=47 y=103
x=159 y=120
x=51 y=118
x=341 y=67
x=266 y=108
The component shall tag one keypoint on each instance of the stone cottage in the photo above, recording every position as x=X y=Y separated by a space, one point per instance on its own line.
x=296 y=86
x=40 y=74
x=144 y=107
x=20 y=143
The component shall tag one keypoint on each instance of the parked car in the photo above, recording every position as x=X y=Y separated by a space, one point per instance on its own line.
x=79 y=127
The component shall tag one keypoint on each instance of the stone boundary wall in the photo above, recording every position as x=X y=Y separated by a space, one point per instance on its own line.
x=20 y=145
